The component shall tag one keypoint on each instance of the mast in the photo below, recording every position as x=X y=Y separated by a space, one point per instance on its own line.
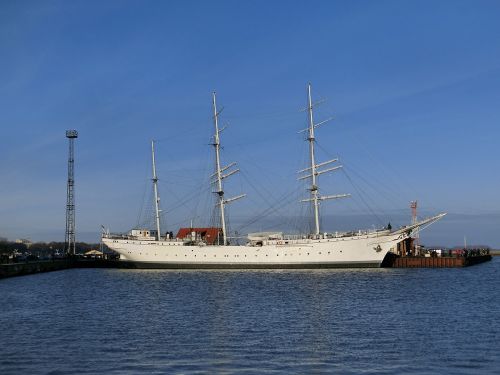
x=314 y=187
x=219 y=176
x=220 y=192
x=314 y=171
x=155 y=188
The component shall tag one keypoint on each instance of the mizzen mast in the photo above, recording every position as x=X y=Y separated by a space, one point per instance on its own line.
x=314 y=168
x=219 y=176
x=155 y=188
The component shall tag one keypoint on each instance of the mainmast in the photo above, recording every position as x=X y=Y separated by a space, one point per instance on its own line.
x=155 y=188
x=314 y=171
x=314 y=187
x=219 y=175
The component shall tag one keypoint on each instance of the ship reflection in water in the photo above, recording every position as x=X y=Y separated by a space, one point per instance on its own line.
x=299 y=321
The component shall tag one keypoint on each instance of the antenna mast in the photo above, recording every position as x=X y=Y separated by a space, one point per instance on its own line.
x=218 y=173
x=314 y=172
x=70 y=197
x=414 y=219
x=155 y=188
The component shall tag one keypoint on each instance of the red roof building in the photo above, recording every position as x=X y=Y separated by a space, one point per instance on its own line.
x=207 y=235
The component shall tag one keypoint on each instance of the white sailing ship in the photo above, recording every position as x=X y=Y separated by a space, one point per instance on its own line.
x=144 y=248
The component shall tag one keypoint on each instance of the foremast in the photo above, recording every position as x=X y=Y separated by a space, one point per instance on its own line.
x=155 y=189
x=314 y=168
x=219 y=176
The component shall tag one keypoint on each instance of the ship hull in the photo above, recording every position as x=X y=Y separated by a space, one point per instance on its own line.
x=367 y=251
x=235 y=266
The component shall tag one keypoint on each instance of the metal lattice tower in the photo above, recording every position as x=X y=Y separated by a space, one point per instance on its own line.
x=70 y=199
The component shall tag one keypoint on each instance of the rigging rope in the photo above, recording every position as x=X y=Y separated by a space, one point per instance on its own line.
x=360 y=194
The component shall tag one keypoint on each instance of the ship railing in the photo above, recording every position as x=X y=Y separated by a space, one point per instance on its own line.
x=116 y=236
x=120 y=236
x=126 y=236
x=326 y=235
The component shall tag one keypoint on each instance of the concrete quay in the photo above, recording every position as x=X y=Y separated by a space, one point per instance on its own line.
x=29 y=268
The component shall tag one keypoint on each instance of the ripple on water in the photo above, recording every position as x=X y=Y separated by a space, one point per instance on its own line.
x=386 y=321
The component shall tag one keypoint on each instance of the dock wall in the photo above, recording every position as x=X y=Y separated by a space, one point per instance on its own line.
x=28 y=268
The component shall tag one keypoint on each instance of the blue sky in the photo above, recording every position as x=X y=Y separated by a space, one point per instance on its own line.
x=414 y=87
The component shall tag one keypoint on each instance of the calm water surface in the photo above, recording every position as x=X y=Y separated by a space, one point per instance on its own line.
x=387 y=321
